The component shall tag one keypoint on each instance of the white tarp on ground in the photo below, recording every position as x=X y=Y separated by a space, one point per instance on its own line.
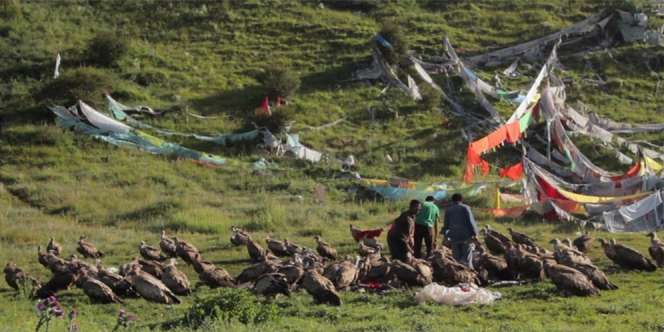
x=300 y=151
x=463 y=294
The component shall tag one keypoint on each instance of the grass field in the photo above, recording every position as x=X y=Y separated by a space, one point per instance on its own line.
x=207 y=57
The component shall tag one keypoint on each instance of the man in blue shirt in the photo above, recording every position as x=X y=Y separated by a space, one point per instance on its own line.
x=460 y=230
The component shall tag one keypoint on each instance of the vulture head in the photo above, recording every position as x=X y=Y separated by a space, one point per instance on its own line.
x=567 y=242
x=652 y=236
x=605 y=244
x=9 y=267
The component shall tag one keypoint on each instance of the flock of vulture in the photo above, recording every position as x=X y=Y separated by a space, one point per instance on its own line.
x=284 y=266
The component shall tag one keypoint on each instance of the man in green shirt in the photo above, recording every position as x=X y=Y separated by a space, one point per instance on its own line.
x=426 y=226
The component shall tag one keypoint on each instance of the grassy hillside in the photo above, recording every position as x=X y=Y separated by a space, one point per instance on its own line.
x=207 y=58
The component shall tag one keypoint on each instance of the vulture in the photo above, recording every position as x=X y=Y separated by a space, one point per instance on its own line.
x=567 y=255
x=277 y=247
x=324 y=249
x=271 y=284
x=186 y=251
x=524 y=264
x=374 y=267
x=293 y=273
x=167 y=245
x=50 y=261
x=656 y=249
x=213 y=276
x=450 y=272
x=78 y=265
x=521 y=238
x=341 y=274
x=152 y=267
x=583 y=242
x=96 y=290
x=321 y=288
x=54 y=247
x=495 y=241
x=175 y=279
x=626 y=257
x=87 y=249
x=14 y=275
x=59 y=281
x=238 y=236
x=150 y=288
x=116 y=282
x=256 y=252
x=492 y=267
x=596 y=276
x=365 y=250
x=253 y=272
x=293 y=248
x=149 y=252
x=570 y=281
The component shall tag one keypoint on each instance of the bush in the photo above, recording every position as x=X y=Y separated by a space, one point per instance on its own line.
x=280 y=118
x=280 y=81
x=106 y=48
x=431 y=98
x=86 y=83
x=10 y=9
x=393 y=33
x=230 y=305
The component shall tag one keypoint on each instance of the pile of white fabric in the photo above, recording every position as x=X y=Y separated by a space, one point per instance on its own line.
x=462 y=294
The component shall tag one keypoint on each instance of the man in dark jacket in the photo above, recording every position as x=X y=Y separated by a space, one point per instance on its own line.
x=400 y=236
x=460 y=230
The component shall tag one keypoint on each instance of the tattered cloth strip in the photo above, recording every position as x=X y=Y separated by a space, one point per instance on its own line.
x=551 y=191
x=514 y=172
x=360 y=234
x=56 y=71
x=512 y=198
x=533 y=48
x=85 y=119
x=511 y=212
x=645 y=215
x=118 y=111
x=625 y=128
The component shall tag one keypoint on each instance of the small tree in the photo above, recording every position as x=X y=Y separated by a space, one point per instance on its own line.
x=431 y=98
x=106 y=48
x=280 y=81
x=395 y=36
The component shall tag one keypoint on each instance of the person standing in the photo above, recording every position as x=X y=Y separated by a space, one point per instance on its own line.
x=426 y=226
x=460 y=230
x=400 y=236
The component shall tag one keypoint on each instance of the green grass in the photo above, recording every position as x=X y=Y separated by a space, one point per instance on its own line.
x=207 y=58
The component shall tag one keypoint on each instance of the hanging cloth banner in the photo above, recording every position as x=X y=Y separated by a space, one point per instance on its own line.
x=514 y=172
x=512 y=212
x=56 y=71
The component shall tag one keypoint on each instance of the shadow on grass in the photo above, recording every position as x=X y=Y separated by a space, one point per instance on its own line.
x=241 y=101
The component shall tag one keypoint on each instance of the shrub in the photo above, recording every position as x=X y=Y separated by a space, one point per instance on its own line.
x=280 y=118
x=106 y=48
x=86 y=83
x=10 y=9
x=431 y=98
x=280 y=81
x=230 y=305
x=393 y=33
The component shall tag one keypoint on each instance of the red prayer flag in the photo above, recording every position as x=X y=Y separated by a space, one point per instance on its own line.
x=514 y=172
x=513 y=132
x=264 y=109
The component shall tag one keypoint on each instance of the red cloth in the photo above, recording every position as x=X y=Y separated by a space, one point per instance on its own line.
x=632 y=171
x=513 y=132
x=481 y=145
x=367 y=234
x=513 y=172
x=473 y=160
x=548 y=190
x=264 y=109
x=498 y=137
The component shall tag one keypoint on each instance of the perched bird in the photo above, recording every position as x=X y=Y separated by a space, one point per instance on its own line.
x=78 y=265
x=167 y=245
x=271 y=284
x=495 y=241
x=149 y=252
x=293 y=248
x=415 y=273
x=569 y=281
x=596 y=276
x=213 y=276
x=87 y=249
x=256 y=252
x=116 y=282
x=96 y=290
x=342 y=274
x=238 y=236
x=150 y=288
x=277 y=247
x=450 y=272
x=186 y=251
x=524 y=264
x=324 y=249
x=491 y=267
x=54 y=247
x=321 y=288
x=59 y=281
x=175 y=279
x=583 y=242
x=567 y=255
x=626 y=257
x=656 y=249
x=293 y=272
x=365 y=250
x=14 y=275
x=152 y=267
x=521 y=238
x=253 y=272
x=374 y=268
x=50 y=261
